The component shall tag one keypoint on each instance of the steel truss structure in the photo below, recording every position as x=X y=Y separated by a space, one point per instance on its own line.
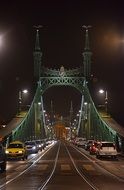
x=90 y=125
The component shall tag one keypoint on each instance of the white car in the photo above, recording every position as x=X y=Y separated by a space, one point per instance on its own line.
x=80 y=142
x=106 y=149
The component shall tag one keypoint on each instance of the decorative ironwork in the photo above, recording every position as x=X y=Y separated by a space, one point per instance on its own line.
x=56 y=73
x=76 y=82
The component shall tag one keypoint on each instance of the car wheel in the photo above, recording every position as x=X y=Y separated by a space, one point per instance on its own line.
x=26 y=157
x=97 y=156
x=114 y=157
x=3 y=167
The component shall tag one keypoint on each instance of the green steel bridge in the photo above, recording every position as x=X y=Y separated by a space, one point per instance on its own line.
x=90 y=123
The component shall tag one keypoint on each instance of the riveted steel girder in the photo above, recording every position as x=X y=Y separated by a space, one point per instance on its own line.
x=76 y=82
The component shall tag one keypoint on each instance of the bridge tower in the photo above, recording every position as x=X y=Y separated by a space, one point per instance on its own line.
x=52 y=120
x=38 y=105
x=71 y=114
x=71 y=119
x=51 y=113
x=37 y=56
x=87 y=55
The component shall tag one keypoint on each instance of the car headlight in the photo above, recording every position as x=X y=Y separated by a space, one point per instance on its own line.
x=20 y=151
x=34 y=147
x=7 y=151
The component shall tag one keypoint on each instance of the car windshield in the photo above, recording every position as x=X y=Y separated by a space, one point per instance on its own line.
x=29 y=143
x=107 y=145
x=15 y=146
x=38 y=142
x=90 y=142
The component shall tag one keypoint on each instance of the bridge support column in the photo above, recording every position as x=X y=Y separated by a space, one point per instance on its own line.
x=36 y=121
x=89 y=121
x=117 y=143
x=122 y=144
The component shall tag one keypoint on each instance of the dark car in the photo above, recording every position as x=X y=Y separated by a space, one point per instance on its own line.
x=88 y=144
x=31 y=147
x=2 y=158
x=40 y=144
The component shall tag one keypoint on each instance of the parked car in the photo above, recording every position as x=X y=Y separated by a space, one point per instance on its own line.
x=48 y=142
x=105 y=149
x=31 y=147
x=80 y=142
x=88 y=144
x=2 y=158
x=43 y=143
x=16 y=149
x=40 y=144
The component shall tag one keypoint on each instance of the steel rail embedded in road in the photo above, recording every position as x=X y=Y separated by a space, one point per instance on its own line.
x=52 y=172
x=82 y=175
x=100 y=166
x=46 y=183
x=12 y=179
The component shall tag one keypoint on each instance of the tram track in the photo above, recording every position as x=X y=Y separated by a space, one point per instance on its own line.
x=46 y=184
x=64 y=163
x=91 y=181
x=50 y=175
x=99 y=165
x=52 y=172
x=18 y=174
x=81 y=174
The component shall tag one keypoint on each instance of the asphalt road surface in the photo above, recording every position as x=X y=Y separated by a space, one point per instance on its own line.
x=62 y=166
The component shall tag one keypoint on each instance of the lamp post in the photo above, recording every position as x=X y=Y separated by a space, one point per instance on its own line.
x=20 y=97
x=101 y=91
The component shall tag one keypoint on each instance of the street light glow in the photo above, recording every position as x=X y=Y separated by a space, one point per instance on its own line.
x=101 y=91
x=25 y=91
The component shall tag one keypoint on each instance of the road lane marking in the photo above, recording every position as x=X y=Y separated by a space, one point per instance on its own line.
x=88 y=167
x=65 y=167
x=44 y=167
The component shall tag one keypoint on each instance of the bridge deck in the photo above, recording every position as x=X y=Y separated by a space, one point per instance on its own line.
x=12 y=125
x=15 y=121
x=112 y=123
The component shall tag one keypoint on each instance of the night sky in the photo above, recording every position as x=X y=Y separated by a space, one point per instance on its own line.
x=62 y=43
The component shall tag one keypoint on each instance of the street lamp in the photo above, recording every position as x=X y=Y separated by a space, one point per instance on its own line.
x=101 y=91
x=20 y=97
